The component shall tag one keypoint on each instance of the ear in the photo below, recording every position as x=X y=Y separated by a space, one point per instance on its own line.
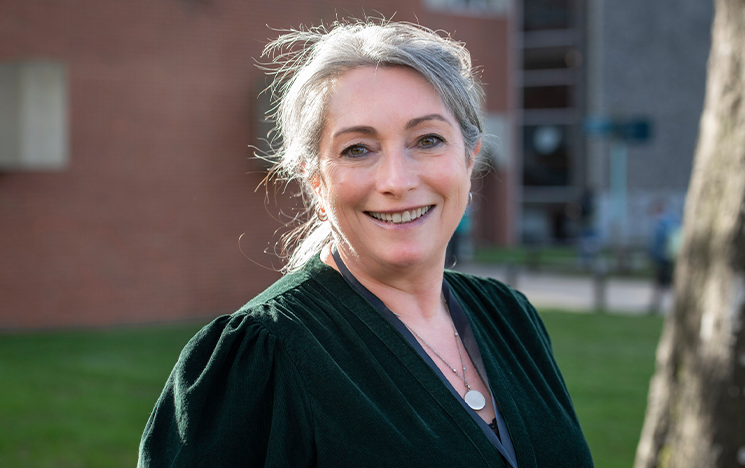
x=472 y=159
x=315 y=184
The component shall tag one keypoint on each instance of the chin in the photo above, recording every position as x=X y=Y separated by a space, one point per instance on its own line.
x=405 y=258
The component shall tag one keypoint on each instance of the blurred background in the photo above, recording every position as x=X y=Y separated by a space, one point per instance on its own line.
x=126 y=172
x=127 y=177
x=126 y=168
x=130 y=195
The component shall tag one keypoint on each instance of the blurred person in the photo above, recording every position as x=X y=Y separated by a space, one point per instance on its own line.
x=589 y=241
x=458 y=247
x=367 y=353
x=663 y=249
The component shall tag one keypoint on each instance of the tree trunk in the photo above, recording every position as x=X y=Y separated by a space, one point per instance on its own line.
x=696 y=406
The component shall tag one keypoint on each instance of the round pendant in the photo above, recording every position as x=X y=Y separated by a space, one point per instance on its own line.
x=475 y=400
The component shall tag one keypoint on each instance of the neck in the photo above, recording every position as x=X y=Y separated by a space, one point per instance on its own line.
x=413 y=293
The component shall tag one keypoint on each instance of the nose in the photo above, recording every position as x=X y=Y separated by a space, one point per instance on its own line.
x=396 y=173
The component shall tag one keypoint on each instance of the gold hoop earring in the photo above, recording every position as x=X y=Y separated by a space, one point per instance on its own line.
x=470 y=198
x=321 y=213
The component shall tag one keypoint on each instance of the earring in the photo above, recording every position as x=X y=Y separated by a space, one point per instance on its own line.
x=321 y=213
x=470 y=198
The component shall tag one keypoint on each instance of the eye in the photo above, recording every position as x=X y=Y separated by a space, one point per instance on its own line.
x=430 y=141
x=354 y=151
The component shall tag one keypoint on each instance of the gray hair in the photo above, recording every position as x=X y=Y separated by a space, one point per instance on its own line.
x=306 y=63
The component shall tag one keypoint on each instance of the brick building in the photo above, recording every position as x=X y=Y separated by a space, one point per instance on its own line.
x=124 y=199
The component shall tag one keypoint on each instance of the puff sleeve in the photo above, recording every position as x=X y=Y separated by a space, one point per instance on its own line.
x=234 y=398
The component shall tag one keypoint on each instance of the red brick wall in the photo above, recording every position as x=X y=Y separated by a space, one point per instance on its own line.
x=143 y=225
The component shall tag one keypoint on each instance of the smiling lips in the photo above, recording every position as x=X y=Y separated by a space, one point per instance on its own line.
x=402 y=217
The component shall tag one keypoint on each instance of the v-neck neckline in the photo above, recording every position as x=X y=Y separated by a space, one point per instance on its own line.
x=503 y=443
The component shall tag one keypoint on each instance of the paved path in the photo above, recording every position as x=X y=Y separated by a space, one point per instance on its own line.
x=552 y=290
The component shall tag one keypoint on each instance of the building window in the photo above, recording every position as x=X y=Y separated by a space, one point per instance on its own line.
x=546 y=155
x=547 y=97
x=551 y=58
x=479 y=7
x=548 y=14
x=33 y=116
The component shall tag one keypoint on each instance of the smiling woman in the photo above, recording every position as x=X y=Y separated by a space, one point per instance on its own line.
x=390 y=148
x=367 y=352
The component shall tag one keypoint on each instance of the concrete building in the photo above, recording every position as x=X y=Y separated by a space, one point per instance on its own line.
x=609 y=60
x=128 y=192
x=648 y=60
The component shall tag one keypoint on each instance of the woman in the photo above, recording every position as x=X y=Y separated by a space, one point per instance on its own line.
x=367 y=353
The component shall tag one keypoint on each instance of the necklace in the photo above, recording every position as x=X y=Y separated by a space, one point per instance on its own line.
x=473 y=398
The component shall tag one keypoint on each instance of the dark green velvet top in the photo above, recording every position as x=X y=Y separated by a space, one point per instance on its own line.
x=309 y=373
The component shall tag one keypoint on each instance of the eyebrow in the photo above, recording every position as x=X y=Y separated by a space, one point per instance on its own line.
x=414 y=122
x=366 y=130
x=358 y=129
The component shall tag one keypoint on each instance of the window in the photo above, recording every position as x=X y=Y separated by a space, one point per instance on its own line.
x=546 y=155
x=547 y=97
x=33 y=116
x=547 y=14
x=551 y=58
x=493 y=7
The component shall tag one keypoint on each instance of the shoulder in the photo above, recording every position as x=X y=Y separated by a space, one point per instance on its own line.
x=254 y=318
x=296 y=298
x=229 y=371
x=488 y=290
x=488 y=300
x=275 y=321
x=293 y=321
x=475 y=283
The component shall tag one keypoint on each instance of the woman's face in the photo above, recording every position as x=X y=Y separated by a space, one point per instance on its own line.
x=394 y=176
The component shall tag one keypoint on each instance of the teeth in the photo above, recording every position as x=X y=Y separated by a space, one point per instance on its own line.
x=402 y=217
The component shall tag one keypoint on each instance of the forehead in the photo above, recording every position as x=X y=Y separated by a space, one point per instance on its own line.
x=382 y=93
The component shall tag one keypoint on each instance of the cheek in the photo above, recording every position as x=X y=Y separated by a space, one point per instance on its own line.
x=341 y=188
x=452 y=177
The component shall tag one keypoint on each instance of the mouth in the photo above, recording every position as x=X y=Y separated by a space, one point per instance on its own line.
x=402 y=216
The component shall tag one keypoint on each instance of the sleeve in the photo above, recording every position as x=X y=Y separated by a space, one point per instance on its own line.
x=233 y=399
x=540 y=328
x=536 y=319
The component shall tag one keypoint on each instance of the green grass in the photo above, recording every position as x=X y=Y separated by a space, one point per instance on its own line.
x=81 y=399
x=607 y=362
x=565 y=260
x=522 y=255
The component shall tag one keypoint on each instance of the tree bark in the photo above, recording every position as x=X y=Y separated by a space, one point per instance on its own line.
x=696 y=405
